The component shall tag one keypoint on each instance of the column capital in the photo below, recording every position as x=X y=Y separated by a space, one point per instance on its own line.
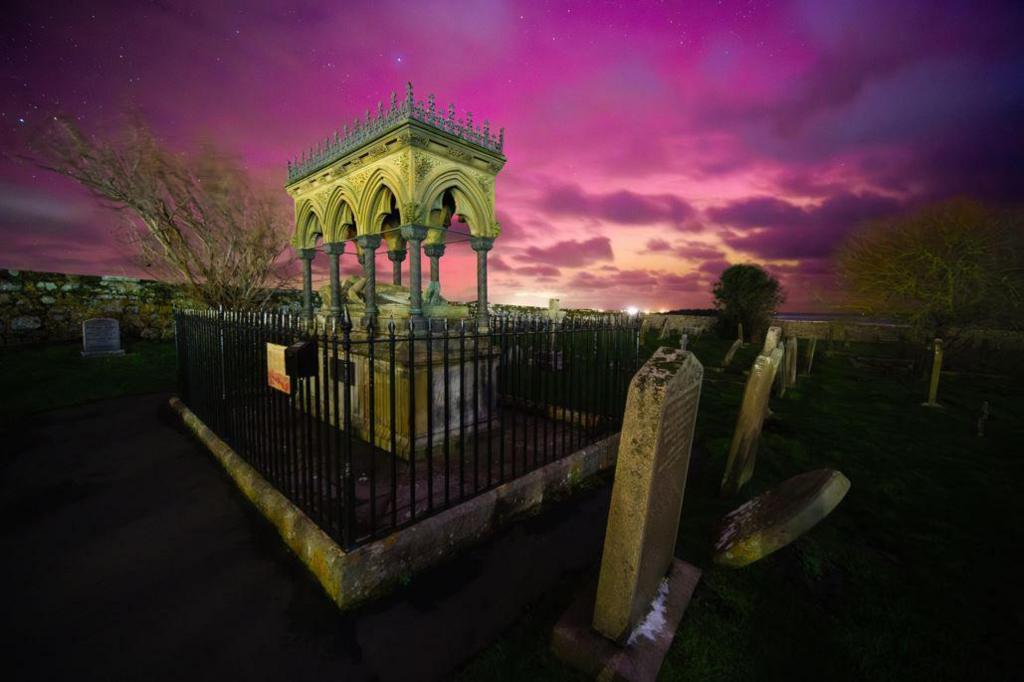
x=397 y=256
x=368 y=241
x=434 y=250
x=414 y=232
x=334 y=248
x=481 y=243
x=305 y=254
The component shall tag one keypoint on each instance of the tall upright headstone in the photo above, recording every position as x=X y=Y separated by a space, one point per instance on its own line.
x=739 y=466
x=933 y=385
x=647 y=496
x=811 y=346
x=101 y=336
x=792 y=355
x=780 y=375
x=683 y=341
x=622 y=627
x=739 y=331
x=771 y=340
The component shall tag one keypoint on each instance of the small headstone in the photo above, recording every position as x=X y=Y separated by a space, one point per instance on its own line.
x=771 y=340
x=792 y=355
x=933 y=385
x=739 y=331
x=739 y=466
x=773 y=520
x=683 y=340
x=983 y=418
x=101 y=336
x=732 y=351
x=812 y=345
x=647 y=496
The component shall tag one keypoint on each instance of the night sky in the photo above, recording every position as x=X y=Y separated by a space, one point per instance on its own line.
x=648 y=144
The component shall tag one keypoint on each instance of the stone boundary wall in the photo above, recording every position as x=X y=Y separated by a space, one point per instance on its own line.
x=835 y=330
x=40 y=307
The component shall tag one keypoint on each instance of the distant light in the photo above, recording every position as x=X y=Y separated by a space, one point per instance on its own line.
x=632 y=310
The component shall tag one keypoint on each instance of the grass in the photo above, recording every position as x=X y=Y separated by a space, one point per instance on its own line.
x=911 y=578
x=46 y=377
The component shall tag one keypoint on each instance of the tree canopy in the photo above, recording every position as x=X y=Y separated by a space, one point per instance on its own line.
x=949 y=265
x=197 y=220
x=747 y=294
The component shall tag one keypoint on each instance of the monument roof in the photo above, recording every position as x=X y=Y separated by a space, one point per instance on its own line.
x=363 y=131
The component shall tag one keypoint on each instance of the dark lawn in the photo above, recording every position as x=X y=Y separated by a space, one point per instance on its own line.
x=911 y=578
x=46 y=377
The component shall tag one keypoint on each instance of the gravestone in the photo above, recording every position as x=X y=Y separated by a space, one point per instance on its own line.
x=812 y=345
x=773 y=520
x=933 y=385
x=683 y=340
x=101 y=336
x=739 y=465
x=739 y=331
x=732 y=351
x=780 y=375
x=771 y=340
x=554 y=311
x=650 y=476
x=622 y=628
x=792 y=355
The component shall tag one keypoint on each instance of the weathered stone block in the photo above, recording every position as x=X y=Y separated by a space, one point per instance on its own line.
x=647 y=496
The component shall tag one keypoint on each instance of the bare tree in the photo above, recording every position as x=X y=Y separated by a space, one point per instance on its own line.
x=948 y=266
x=198 y=219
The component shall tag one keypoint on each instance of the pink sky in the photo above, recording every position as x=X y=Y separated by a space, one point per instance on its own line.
x=648 y=144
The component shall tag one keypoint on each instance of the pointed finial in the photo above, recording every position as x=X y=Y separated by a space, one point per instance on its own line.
x=501 y=138
x=394 y=100
x=469 y=120
x=408 y=94
x=451 y=112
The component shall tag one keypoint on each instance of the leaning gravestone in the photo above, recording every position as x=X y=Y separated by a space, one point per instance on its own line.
x=792 y=354
x=732 y=351
x=776 y=518
x=642 y=590
x=739 y=466
x=771 y=340
x=101 y=336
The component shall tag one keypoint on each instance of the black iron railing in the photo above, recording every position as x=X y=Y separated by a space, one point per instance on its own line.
x=386 y=429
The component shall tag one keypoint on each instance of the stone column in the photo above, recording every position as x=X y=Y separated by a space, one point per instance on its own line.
x=306 y=255
x=369 y=244
x=481 y=245
x=434 y=253
x=334 y=251
x=414 y=236
x=396 y=257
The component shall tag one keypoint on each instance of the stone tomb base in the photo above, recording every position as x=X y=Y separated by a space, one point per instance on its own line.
x=578 y=644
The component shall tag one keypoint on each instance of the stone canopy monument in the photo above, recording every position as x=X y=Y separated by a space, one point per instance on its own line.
x=407 y=177
x=412 y=178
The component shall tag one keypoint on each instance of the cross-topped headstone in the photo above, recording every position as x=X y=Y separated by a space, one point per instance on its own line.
x=101 y=336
